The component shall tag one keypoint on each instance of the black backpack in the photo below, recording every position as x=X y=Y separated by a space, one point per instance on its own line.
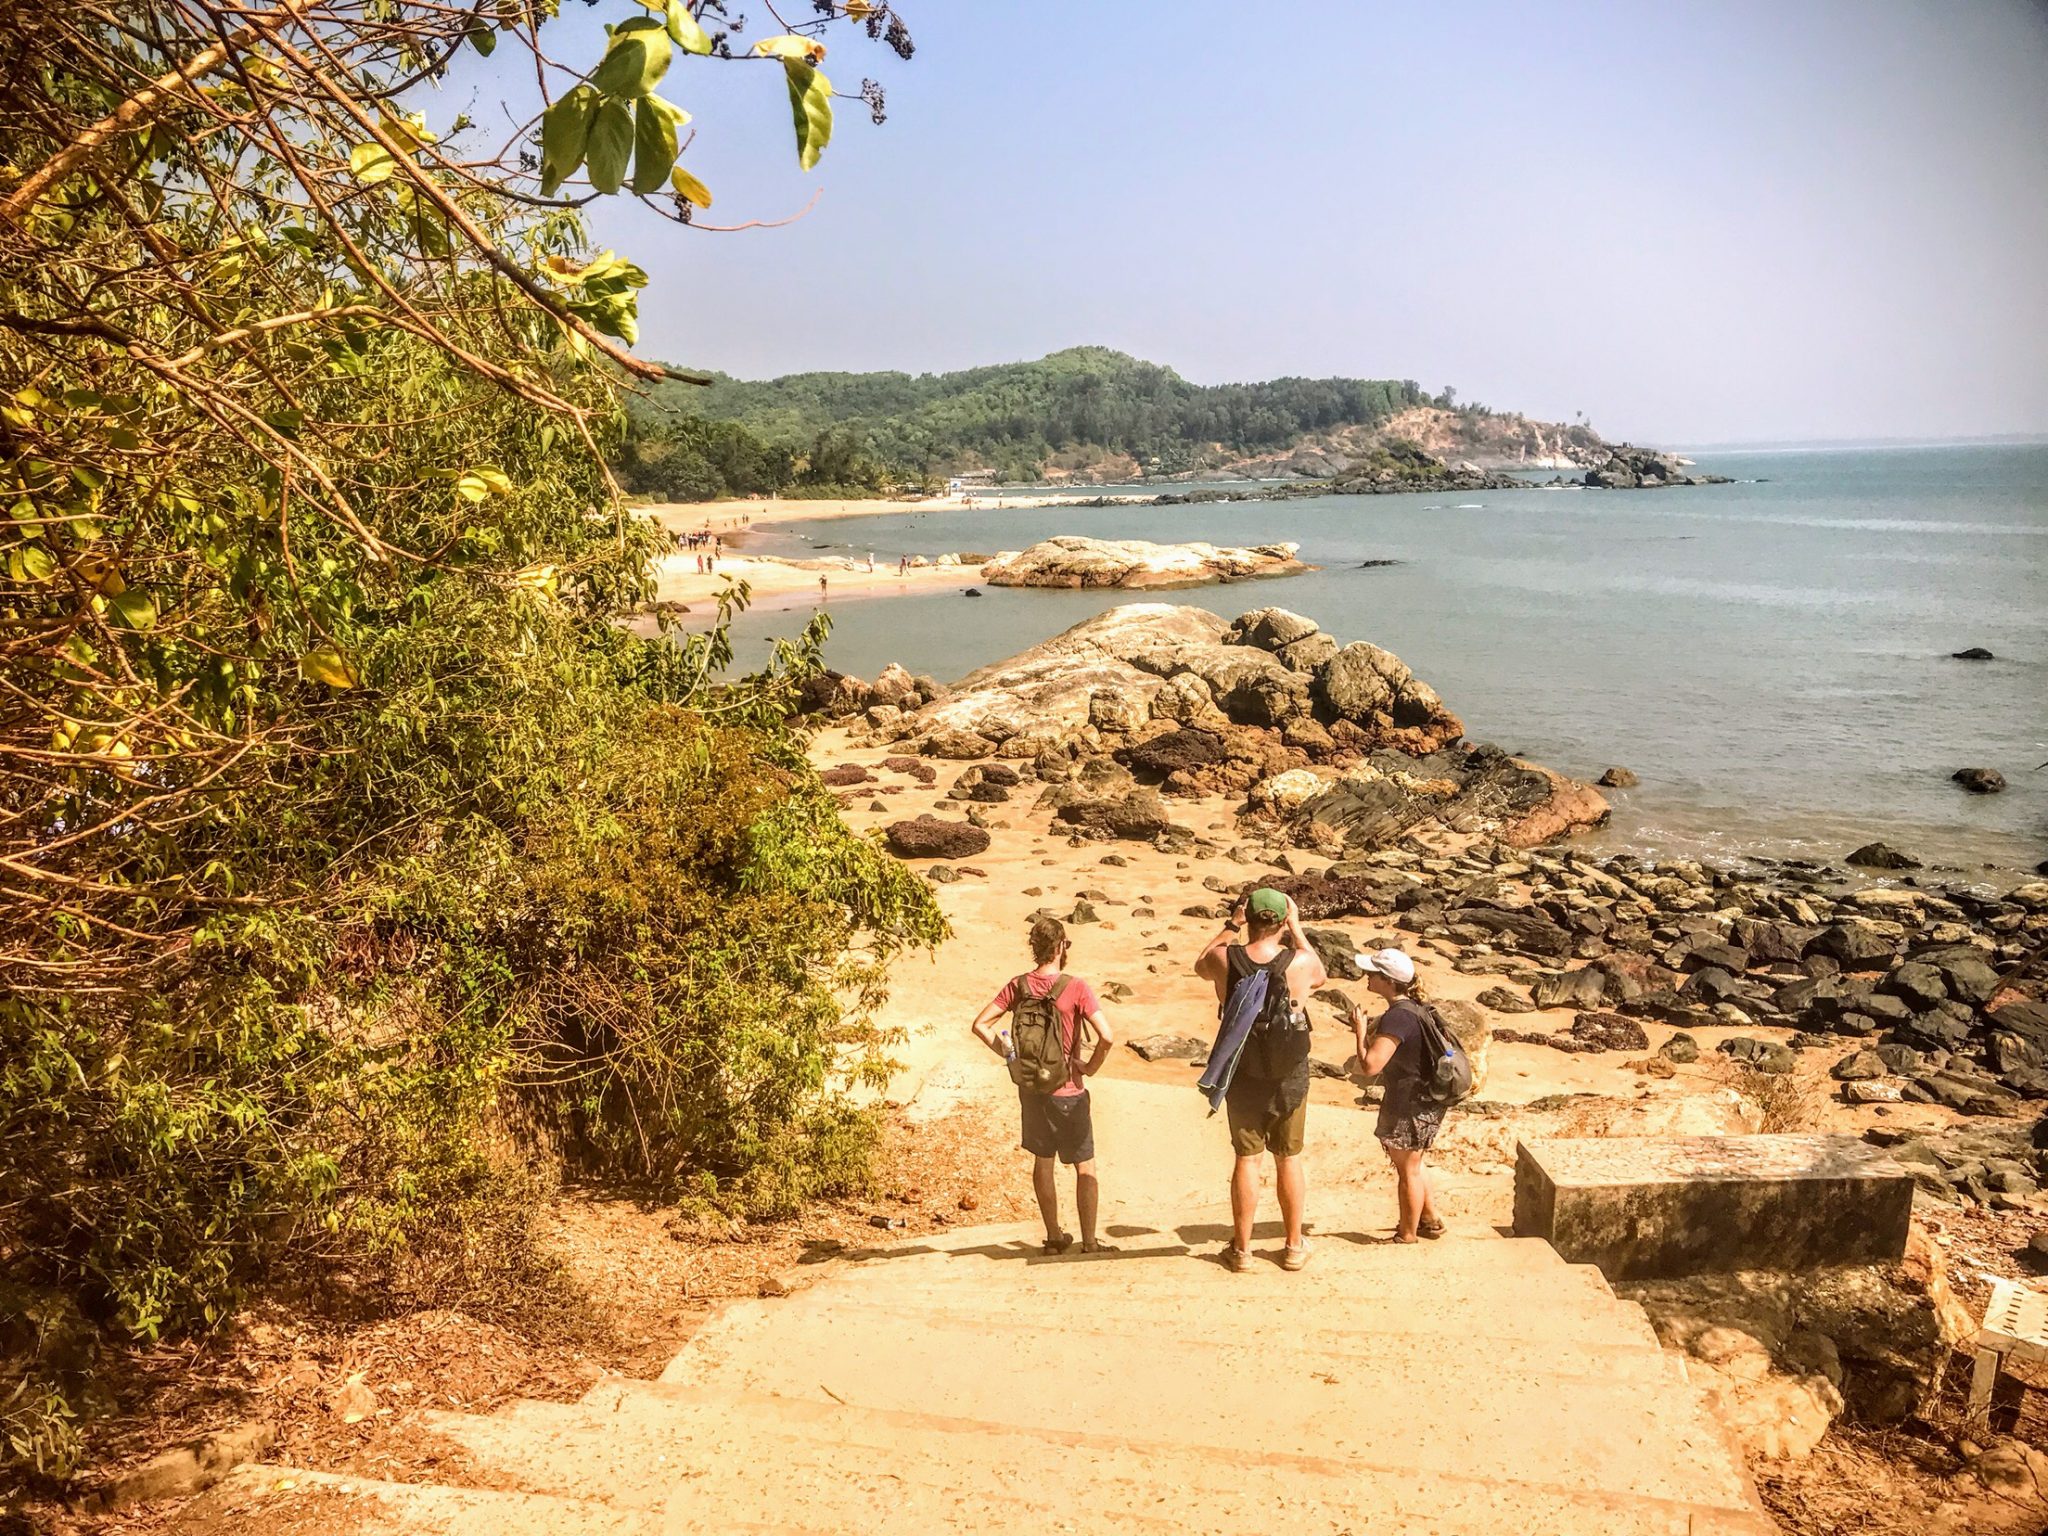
x=1443 y=1076
x=1279 y=1040
x=1040 y=1061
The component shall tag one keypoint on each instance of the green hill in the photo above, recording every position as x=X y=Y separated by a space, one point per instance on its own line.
x=1087 y=413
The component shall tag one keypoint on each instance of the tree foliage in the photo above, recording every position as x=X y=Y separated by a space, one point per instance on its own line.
x=338 y=814
x=1020 y=418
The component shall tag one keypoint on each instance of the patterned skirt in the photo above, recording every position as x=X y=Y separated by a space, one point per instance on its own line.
x=1409 y=1127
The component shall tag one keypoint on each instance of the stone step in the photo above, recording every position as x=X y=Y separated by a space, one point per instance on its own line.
x=825 y=1463
x=1435 y=1334
x=1583 y=1305
x=1578 y=1433
x=262 y=1498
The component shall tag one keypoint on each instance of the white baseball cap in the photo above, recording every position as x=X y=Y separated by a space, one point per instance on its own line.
x=1390 y=963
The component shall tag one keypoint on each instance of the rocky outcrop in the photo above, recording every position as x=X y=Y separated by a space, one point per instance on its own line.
x=1632 y=469
x=1147 y=670
x=1868 y=1339
x=1070 y=561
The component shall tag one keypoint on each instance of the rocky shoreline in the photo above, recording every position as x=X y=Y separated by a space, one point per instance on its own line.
x=1353 y=774
x=1404 y=469
x=1074 y=562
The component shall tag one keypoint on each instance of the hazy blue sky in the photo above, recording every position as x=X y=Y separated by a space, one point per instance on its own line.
x=1697 y=223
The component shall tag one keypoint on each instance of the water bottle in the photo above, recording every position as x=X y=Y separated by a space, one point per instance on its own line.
x=1009 y=1050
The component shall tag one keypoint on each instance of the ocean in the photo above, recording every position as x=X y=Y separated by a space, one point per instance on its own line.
x=1772 y=657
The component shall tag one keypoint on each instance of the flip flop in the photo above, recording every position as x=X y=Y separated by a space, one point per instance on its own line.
x=1055 y=1246
x=1432 y=1230
x=1098 y=1246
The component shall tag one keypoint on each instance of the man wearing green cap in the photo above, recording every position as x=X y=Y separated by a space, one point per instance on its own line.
x=1268 y=1096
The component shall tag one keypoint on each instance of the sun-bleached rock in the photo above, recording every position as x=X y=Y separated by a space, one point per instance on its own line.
x=1072 y=561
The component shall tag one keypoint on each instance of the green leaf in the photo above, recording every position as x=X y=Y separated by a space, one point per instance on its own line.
x=326 y=664
x=564 y=134
x=371 y=163
x=479 y=483
x=691 y=189
x=654 y=144
x=133 y=609
x=611 y=145
x=636 y=59
x=37 y=563
x=484 y=40
x=810 y=101
x=683 y=28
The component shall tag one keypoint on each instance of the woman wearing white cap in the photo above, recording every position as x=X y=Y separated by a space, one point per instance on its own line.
x=1407 y=1126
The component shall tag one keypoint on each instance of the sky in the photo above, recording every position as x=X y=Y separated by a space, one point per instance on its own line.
x=1697 y=223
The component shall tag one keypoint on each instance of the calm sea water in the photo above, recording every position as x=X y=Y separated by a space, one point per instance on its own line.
x=1771 y=657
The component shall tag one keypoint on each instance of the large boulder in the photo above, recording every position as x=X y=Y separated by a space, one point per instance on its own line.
x=1360 y=681
x=930 y=838
x=1137 y=813
x=1270 y=629
x=1072 y=561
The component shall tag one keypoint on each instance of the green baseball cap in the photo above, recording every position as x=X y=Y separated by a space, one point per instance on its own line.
x=1267 y=902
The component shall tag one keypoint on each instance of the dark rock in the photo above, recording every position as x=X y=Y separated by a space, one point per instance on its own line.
x=929 y=838
x=1856 y=945
x=1570 y=989
x=1919 y=986
x=1979 y=781
x=1139 y=814
x=1336 y=951
x=1771 y=942
x=1531 y=932
x=1726 y=956
x=1186 y=748
x=844 y=774
x=1882 y=856
x=1970 y=980
x=1169 y=1048
x=1974 y=653
x=1591 y=1031
x=1857 y=1066
x=1502 y=1000
x=1713 y=984
x=1680 y=1048
x=1617 y=778
x=1901 y=1060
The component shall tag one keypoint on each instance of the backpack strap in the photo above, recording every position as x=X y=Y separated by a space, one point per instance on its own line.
x=1059 y=987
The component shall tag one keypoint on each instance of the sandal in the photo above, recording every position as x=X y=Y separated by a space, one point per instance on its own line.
x=1293 y=1259
x=1430 y=1229
x=1054 y=1246
x=1098 y=1246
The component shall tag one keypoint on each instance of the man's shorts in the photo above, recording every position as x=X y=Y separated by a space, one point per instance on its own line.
x=1254 y=1129
x=1062 y=1126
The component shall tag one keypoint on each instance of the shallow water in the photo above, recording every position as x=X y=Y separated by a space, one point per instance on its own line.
x=1772 y=657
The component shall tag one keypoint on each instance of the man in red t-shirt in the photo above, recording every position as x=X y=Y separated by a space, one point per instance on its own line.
x=1059 y=1123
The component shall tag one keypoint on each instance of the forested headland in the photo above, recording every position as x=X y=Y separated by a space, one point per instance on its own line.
x=1084 y=414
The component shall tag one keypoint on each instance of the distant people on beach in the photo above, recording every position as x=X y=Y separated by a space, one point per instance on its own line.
x=1052 y=1015
x=824 y=595
x=1410 y=1116
x=1258 y=1068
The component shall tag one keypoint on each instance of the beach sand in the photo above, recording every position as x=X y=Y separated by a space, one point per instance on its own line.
x=780 y=586
x=735 y=520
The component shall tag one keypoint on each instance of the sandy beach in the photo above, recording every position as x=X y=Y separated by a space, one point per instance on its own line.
x=735 y=520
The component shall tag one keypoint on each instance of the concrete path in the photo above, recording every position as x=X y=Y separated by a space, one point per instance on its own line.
x=1474 y=1385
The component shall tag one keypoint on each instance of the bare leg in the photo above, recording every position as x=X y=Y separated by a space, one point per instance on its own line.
x=1291 y=1179
x=1244 y=1201
x=1086 y=1195
x=1046 y=1187
x=1404 y=1193
x=1427 y=1216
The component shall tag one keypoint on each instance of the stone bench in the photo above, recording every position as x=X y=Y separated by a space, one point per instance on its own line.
x=1660 y=1206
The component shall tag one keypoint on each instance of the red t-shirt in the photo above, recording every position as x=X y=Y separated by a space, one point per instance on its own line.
x=1075 y=1004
